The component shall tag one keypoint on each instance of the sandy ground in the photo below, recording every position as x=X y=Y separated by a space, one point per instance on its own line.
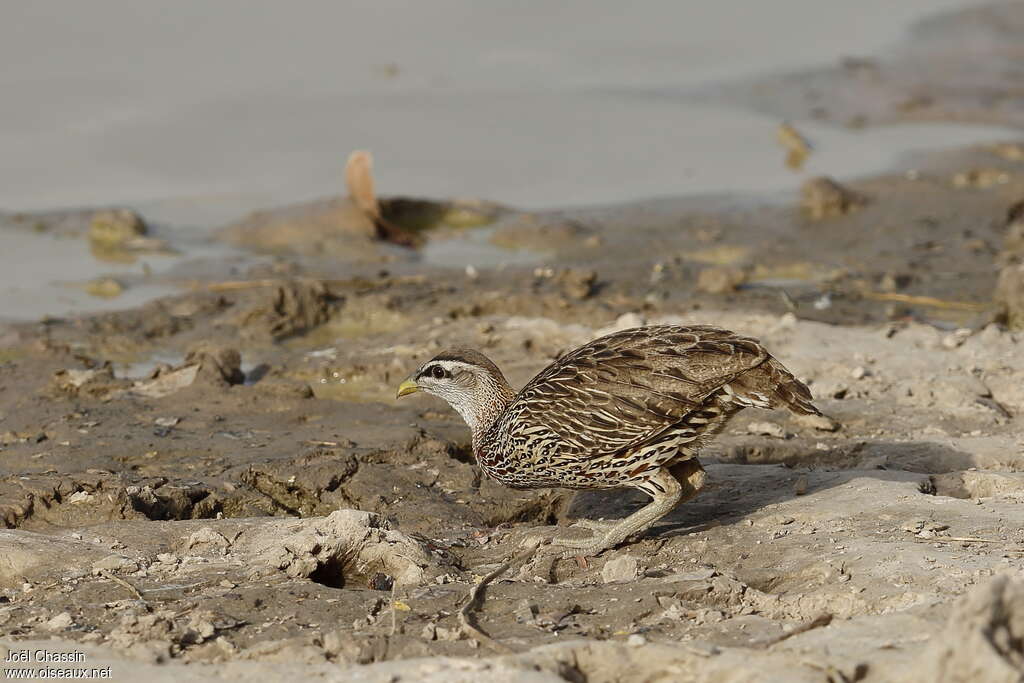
x=219 y=484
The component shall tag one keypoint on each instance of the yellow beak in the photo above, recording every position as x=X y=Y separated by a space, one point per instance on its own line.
x=409 y=386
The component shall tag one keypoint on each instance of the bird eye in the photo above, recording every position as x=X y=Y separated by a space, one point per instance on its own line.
x=437 y=371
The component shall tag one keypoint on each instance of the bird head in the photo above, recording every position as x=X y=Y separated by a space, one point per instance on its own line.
x=467 y=380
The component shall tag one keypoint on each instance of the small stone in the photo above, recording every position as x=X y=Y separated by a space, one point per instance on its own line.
x=115 y=563
x=116 y=227
x=955 y=339
x=104 y=288
x=800 y=486
x=59 y=622
x=636 y=640
x=207 y=536
x=1010 y=295
x=525 y=612
x=720 y=279
x=823 y=197
x=80 y=497
x=767 y=429
x=859 y=372
x=620 y=569
x=578 y=283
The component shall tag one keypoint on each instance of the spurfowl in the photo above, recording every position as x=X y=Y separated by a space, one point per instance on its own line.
x=628 y=410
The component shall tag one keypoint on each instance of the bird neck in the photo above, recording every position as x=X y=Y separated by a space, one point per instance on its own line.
x=482 y=408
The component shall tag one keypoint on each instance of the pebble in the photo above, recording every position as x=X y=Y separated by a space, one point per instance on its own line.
x=955 y=339
x=525 y=612
x=115 y=563
x=800 y=486
x=80 y=497
x=620 y=569
x=767 y=429
x=59 y=622
x=636 y=640
x=720 y=279
x=859 y=372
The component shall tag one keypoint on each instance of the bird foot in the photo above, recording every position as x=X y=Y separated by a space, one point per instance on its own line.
x=605 y=535
x=586 y=546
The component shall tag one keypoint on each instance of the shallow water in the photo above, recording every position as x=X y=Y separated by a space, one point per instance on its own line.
x=46 y=274
x=473 y=248
x=529 y=105
x=532 y=106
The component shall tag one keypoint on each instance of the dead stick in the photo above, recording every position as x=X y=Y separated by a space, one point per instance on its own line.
x=394 y=623
x=474 y=594
x=823 y=619
x=118 y=580
x=926 y=301
x=962 y=539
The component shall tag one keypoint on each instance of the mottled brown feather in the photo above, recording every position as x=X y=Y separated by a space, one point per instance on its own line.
x=612 y=396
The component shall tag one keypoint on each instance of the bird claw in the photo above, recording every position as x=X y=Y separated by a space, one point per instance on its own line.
x=601 y=538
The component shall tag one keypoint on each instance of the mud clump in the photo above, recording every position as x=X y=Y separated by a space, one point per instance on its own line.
x=95 y=382
x=578 y=283
x=1010 y=295
x=116 y=228
x=206 y=365
x=219 y=366
x=823 y=197
x=573 y=283
x=343 y=546
x=720 y=279
x=1013 y=240
x=532 y=232
x=335 y=227
x=288 y=309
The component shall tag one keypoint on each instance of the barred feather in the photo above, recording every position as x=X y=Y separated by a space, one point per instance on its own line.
x=614 y=409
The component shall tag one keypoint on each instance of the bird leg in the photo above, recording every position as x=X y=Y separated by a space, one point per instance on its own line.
x=665 y=491
x=596 y=525
x=691 y=476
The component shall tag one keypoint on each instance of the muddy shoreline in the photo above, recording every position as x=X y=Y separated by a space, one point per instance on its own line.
x=148 y=444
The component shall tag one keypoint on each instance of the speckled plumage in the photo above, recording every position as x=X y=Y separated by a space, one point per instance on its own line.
x=616 y=412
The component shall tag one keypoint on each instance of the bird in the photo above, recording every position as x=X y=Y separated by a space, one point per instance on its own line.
x=631 y=409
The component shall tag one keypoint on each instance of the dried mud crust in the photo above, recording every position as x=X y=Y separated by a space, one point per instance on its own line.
x=195 y=496
x=202 y=517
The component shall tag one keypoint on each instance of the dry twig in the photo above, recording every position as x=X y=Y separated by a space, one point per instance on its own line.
x=121 y=582
x=926 y=301
x=475 y=593
x=819 y=621
x=961 y=539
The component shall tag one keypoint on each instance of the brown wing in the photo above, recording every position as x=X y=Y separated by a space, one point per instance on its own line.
x=625 y=388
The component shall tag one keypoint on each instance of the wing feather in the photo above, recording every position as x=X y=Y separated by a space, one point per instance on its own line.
x=622 y=390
